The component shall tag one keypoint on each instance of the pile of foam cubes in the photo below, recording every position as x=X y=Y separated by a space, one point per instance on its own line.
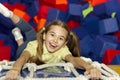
x=95 y=22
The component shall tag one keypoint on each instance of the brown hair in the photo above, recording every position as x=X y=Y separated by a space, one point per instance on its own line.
x=71 y=38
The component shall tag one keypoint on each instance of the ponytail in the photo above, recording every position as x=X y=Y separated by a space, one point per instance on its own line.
x=38 y=58
x=73 y=44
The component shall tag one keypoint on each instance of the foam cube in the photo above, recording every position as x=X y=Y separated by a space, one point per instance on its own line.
x=101 y=44
x=75 y=18
x=9 y=6
x=62 y=5
x=2 y=1
x=99 y=9
x=28 y=1
x=112 y=6
x=1 y=42
x=41 y=23
x=117 y=34
x=4 y=53
x=91 y=24
x=5 y=23
x=116 y=60
x=110 y=55
x=85 y=45
x=75 y=9
x=109 y=25
x=55 y=2
x=55 y=14
x=14 y=1
x=32 y=23
x=20 y=6
x=3 y=37
x=118 y=17
x=43 y=11
x=85 y=5
x=33 y=9
x=22 y=14
x=96 y=2
x=80 y=31
x=72 y=24
x=73 y=1
x=59 y=4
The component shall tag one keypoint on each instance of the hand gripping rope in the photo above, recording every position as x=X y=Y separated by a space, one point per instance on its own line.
x=108 y=73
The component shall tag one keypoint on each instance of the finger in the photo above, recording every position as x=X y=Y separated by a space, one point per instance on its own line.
x=86 y=73
x=95 y=74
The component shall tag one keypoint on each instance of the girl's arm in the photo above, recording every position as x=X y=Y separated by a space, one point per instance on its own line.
x=21 y=60
x=15 y=71
x=81 y=64
x=78 y=62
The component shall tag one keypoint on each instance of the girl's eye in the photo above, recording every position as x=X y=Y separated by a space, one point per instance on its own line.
x=61 y=38
x=52 y=34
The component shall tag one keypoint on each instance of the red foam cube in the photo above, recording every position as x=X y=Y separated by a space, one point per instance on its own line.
x=72 y=24
x=97 y=2
x=5 y=53
x=117 y=34
x=43 y=11
x=1 y=42
x=20 y=6
x=109 y=55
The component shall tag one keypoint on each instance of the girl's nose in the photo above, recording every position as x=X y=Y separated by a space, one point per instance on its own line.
x=56 y=39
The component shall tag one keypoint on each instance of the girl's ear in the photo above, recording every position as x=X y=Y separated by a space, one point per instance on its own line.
x=44 y=36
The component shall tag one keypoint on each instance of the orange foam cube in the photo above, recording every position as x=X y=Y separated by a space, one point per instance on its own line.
x=41 y=23
x=22 y=14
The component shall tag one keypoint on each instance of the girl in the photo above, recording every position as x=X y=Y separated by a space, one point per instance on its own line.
x=53 y=44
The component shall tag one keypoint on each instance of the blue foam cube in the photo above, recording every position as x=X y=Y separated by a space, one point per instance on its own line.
x=74 y=1
x=100 y=44
x=14 y=1
x=75 y=9
x=112 y=6
x=85 y=45
x=116 y=60
x=6 y=22
x=33 y=9
x=55 y=14
x=91 y=24
x=80 y=31
x=2 y=1
x=118 y=17
x=109 y=25
x=99 y=9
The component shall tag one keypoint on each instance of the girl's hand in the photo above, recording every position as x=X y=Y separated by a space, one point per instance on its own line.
x=93 y=72
x=12 y=74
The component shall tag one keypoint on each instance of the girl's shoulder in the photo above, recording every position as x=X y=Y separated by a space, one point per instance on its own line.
x=34 y=42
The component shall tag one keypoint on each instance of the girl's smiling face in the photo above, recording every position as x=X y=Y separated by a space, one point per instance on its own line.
x=55 y=38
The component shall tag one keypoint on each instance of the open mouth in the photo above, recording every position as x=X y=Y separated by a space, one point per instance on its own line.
x=52 y=46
